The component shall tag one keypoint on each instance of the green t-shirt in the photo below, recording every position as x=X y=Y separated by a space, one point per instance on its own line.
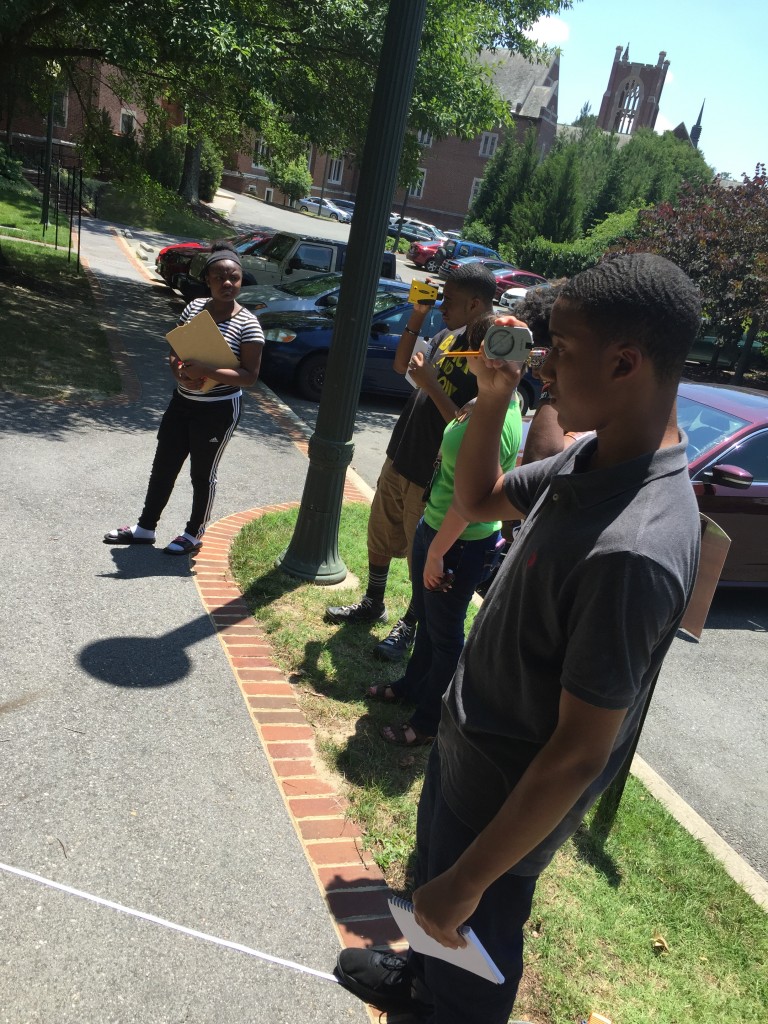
x=441 y=494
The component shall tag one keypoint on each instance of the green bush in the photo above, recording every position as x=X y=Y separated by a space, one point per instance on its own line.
x=211 y=170
x=402 y=246
x=564 y=259
x=10 y=167
x=139 y=201
x=104 y=154
x=477 y=231
x=163 y=155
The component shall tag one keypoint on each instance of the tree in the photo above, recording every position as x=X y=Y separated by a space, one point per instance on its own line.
x=718 y=234
x=292 y=177
x=283 y=69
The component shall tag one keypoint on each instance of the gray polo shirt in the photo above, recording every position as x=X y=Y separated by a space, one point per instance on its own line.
x=588 y=600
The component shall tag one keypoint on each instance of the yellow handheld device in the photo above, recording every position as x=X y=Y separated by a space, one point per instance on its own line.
x=423 y=292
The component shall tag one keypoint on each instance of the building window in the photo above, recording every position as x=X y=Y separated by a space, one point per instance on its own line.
x=336 y=171
x=476 y=183
x=629 y=101
x=425 y=137
x=60 y=108
x=416 y=191
x=260 y=153
x=488 y=143
x=127 y=122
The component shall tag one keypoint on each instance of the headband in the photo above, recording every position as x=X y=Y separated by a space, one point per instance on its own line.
x=223 y=254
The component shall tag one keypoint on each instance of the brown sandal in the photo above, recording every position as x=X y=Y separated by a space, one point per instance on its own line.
x=390 y=735
x=379 y=692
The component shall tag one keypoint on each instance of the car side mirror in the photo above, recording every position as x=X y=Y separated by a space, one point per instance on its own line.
x=380 y=327
x=294 y=263
x=728 y=476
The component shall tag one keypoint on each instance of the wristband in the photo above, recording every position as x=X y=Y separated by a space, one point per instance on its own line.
x=410 y=330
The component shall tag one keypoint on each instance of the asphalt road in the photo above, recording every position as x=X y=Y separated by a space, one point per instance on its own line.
x=707 y=729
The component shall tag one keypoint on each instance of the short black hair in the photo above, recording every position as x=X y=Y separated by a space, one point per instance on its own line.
x=535 y=310
x=219 y=251
x=477 y=330
x=643 y=299
x=476 y=279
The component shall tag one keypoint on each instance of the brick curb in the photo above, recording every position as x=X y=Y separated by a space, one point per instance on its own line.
x=353 y=886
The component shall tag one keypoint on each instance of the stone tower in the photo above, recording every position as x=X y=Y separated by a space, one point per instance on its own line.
x=631 y=100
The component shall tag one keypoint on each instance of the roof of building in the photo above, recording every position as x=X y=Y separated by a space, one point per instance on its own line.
x=526 y=87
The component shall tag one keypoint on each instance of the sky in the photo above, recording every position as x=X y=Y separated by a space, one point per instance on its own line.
x=716 y=53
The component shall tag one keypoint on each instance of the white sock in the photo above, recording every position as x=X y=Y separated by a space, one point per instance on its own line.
x=139 y=531
x=190 y=537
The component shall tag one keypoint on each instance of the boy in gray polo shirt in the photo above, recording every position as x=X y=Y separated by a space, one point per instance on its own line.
x=549 y=691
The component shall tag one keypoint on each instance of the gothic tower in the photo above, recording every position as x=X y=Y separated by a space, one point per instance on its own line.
x=696 y=130
x=631 y=100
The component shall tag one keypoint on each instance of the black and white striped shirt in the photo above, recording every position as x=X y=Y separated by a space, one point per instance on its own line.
x=242 y=329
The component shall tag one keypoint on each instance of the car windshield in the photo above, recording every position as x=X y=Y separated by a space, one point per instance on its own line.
x=307 y=287
x=706 y=427
x=278 y=247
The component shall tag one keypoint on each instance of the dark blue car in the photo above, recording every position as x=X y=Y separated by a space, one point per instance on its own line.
x=297 y=345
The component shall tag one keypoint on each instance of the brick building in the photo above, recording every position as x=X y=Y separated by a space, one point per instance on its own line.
x=98 y=89
x=631 y=100
x=450 y=169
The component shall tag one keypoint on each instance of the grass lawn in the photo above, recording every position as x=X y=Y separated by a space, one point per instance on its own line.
x=39 y=289
x=645 y=929
x=157 y=209
x=20 y=217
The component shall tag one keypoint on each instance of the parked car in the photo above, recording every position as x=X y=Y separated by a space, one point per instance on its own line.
x=297 y=345
x=453 y=247
x=324 y=208
x=511 y=298
x=517 y=279
x=286 y=256
x=345 y=204
x=727 y=430
x=728 y=352
x=172 y=262
x=310 y=294
x=491 y=262
x=453 y=234
x=414 y=230
x=421 y=252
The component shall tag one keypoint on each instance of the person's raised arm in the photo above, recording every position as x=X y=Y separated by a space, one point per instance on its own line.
x=408 y=338
x=478 y=490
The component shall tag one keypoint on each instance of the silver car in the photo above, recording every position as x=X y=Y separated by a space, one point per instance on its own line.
x=324 y=208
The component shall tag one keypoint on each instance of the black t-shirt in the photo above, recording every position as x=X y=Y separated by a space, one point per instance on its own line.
x=418 y=432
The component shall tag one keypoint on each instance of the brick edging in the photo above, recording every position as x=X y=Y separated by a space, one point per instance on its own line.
x=354 y=887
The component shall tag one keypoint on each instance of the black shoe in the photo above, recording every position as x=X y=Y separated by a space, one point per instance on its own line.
x=363 y=611
x=395 y=646
x=381 y=979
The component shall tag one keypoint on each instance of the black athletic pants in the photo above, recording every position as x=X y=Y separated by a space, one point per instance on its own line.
x=200 y=430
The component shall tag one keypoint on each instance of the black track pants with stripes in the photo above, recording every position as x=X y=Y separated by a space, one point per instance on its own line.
x=200 y=430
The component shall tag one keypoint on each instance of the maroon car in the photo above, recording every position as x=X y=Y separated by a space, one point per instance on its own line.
x=516 y=279
x=173 y=261
x=727 y=430
x=421 y=253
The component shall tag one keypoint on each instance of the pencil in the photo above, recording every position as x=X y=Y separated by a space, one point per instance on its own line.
x=471 y=352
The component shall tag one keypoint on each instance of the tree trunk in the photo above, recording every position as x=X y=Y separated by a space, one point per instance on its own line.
x=743 y=362
x=189 y=189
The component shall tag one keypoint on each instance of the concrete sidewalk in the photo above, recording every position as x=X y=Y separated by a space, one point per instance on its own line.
x=131 y=767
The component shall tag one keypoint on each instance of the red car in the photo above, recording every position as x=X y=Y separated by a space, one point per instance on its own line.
x=516 y=279
x=421 y=253
x=173 y=261
x=727 y=430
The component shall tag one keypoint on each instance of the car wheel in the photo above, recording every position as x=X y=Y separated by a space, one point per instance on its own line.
x=334 y=216
x=526 y=396
x=304 y=209
x=310 y=376
x=431 y=265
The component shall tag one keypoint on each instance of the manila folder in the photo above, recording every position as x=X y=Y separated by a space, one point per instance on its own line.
x=201 y=339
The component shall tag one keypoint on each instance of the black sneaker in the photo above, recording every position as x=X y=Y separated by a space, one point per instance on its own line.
x=363 y=611
x=395 y=646
x=381 y=979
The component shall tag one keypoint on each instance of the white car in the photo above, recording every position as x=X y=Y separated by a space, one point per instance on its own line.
x=325 y=208
x=510 y=298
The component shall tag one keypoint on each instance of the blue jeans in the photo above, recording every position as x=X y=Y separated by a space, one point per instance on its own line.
x=441 y=615
x=457 y=996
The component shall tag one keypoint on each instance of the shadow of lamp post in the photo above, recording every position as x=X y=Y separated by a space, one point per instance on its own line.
x=313 y=552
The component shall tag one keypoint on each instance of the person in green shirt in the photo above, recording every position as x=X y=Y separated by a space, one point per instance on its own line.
x=450 y=558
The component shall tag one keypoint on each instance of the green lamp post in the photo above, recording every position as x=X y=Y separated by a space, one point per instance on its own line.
x=313 y=552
